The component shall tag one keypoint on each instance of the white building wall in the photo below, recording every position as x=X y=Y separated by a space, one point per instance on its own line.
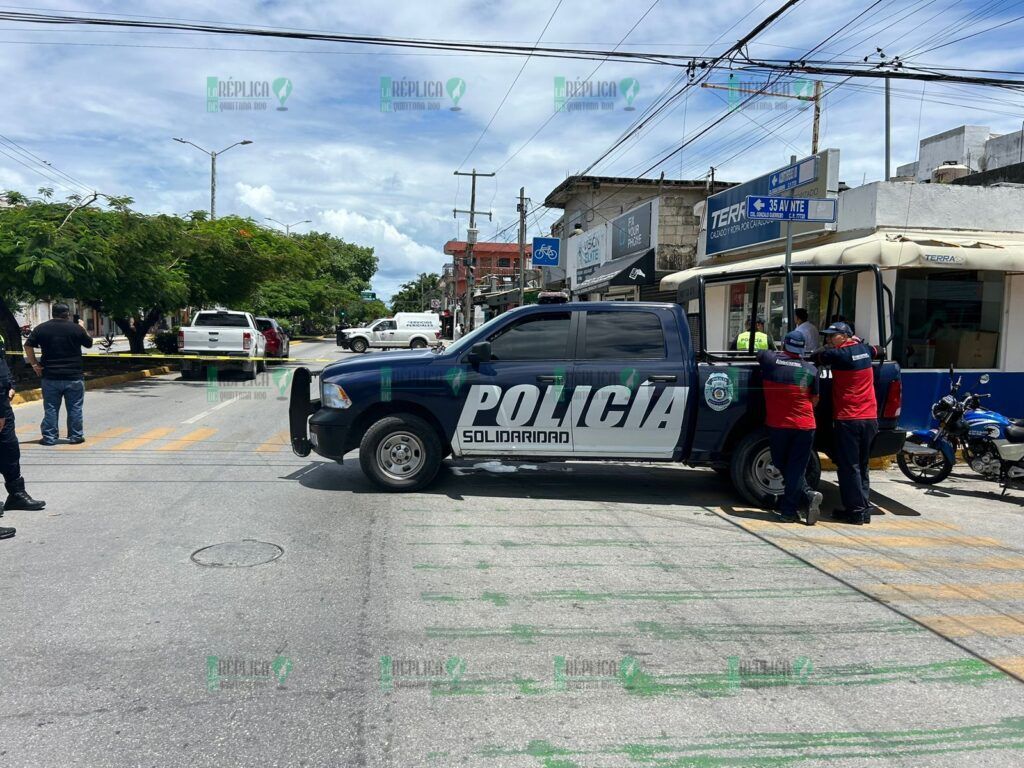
x=1001 y=151
x=965 y=145
x=931 y=206
x=1011 y=352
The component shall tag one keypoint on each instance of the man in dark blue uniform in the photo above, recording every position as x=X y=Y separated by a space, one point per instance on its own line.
x=10 y=451
x=790 y=387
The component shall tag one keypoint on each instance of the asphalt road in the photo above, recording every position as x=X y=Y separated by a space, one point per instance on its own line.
x=558 y=615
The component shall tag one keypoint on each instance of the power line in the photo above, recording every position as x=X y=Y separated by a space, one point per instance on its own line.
x=509 y=91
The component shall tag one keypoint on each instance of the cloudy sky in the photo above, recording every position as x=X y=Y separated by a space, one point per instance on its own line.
x=102 y=105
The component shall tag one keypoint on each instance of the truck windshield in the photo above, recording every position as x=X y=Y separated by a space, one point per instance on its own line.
x=223 y=319
x=480 y=334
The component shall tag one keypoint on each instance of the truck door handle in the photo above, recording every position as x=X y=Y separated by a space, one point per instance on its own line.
x=662 y=377
x=554 y=379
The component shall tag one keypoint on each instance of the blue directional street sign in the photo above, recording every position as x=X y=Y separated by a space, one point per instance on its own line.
x=793 y=176
x=546 y=251
x=766 y=207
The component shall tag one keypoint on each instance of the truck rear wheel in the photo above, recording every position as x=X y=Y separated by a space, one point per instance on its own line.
x=418 y=344
x=400 y=453
x=358 y=345
x=755 y=477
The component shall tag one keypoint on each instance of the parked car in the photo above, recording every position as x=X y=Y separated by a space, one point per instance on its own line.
x=550 y=382
x=413 y=330
x=278 y=343
x=221 y=334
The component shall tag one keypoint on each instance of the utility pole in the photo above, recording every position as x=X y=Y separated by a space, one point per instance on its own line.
x=288 y=227
x=819 y=90
x=816 y=98
x=213 y=169
x=787 y=309
x=471 y=237
x=522 y=246
x=888 y=130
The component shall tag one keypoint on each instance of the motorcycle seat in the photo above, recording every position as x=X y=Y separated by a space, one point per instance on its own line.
x=1017 y=422
x=1015 y=434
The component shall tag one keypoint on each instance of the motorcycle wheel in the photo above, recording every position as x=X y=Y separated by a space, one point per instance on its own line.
x=924 y=470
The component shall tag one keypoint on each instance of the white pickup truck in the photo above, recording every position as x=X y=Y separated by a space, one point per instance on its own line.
x=223 y=333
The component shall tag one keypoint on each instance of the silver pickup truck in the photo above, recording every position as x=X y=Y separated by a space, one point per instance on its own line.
x=223 y=334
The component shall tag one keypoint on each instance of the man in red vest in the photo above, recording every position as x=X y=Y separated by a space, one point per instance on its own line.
x=855 y=411
x=790 y=386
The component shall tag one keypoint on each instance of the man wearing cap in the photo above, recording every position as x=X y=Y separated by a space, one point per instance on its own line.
x=10 y=451
x=790 y=386
x=855 y=411
x=761 y=339
x=61 y=340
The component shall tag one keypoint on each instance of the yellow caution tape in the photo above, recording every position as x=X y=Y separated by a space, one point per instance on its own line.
x=235 y=358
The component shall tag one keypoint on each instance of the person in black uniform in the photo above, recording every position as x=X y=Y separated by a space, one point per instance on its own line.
x=10 y=451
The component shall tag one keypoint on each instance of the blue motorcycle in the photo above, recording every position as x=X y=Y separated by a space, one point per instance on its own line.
x=991 y=444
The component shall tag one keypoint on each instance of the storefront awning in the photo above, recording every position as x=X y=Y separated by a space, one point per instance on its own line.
x=637 y=269
x=997 y=251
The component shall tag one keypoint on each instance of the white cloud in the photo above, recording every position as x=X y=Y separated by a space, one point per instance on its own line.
x=399 y=256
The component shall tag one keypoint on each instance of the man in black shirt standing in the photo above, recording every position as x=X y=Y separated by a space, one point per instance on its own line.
x=61 y=371
x=10 y=451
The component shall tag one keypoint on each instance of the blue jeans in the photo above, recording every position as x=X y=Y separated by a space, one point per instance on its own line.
x=791 y=450
x=72 y=391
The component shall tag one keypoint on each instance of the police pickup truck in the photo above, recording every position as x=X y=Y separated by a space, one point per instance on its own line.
x=609 y=381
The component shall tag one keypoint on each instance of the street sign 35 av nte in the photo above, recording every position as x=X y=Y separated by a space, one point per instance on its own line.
x=766 y=207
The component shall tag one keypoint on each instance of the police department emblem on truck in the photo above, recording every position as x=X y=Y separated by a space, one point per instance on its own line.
x=578 y=381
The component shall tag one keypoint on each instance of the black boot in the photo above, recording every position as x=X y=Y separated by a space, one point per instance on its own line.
x=21 y=500
x=6 y=533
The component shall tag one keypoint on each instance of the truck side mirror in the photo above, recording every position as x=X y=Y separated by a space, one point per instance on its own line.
x=479 y=353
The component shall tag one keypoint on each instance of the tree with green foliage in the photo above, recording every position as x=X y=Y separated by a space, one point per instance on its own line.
x=415 y=295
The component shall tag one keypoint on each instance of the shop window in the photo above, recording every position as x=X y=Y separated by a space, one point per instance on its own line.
x=505 y=262
x=945 y=318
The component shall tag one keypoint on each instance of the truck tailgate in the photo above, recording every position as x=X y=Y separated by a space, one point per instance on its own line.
x=214 y=339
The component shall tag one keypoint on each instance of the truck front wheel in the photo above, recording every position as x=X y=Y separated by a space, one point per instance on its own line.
x=756 y=478
x=400 y=453
x=358 y=345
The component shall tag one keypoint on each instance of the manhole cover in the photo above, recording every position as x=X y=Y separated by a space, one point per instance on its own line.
x=237 y=554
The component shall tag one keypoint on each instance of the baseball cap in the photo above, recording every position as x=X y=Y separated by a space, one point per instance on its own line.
x=839 y=327
x=794 y=342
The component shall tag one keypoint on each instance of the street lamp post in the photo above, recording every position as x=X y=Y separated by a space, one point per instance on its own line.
x=213 y=169
x=288 y=227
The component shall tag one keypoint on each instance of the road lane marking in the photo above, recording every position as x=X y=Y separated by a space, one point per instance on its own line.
x=189 y=440
x=276 y=443
x=90 y=442
x=860 y=541
x=918 y=563
x=143 y=439
x=1007 y=591
x=207 y=412
x=990 y=625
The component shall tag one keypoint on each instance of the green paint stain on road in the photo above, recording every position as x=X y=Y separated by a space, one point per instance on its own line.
x=783 y=749
x=484 y=565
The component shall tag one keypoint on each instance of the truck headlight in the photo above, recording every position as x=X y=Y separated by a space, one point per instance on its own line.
x=333 y=396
